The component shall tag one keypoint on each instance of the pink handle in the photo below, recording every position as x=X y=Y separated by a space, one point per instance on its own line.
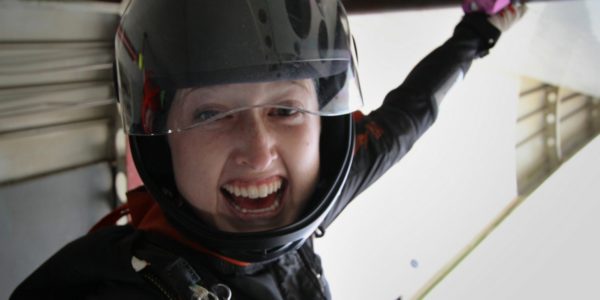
x=489 y=7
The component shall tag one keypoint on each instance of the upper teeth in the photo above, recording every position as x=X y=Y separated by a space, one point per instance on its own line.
x=253 y=191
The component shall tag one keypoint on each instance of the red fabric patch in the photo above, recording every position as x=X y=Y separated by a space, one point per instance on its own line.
x=146 y=215
x=357 y=116
x=374 y=130
x=150 y=104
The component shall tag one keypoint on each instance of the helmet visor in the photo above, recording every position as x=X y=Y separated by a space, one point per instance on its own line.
x=164 y=47
x=164 y=111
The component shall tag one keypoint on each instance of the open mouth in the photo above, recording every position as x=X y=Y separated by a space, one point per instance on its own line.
x=255 y=200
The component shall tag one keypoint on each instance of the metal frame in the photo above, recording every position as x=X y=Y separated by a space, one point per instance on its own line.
x=559 y=144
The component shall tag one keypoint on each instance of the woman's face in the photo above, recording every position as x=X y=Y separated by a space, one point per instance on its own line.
x=252 y=170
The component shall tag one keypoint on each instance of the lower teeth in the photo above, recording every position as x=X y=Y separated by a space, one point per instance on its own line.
x=273 y=206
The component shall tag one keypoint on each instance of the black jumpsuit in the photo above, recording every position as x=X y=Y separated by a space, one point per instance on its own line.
x=99 y=265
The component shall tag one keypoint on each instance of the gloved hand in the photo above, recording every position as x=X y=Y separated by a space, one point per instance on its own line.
x=505 y=18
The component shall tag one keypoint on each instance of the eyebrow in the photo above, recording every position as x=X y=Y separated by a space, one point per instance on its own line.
x=301 y=83
x=283 y=88
x=206 y=89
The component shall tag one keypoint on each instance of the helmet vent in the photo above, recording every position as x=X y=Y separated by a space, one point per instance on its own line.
x=323 y=40
x=268 y=41
x=299 y=16
x=262 y=16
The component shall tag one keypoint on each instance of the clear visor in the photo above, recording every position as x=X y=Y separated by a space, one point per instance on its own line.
x=209 y=107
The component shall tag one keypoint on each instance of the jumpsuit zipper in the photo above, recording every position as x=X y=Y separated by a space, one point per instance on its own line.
x=156 y=282
x=316 y=276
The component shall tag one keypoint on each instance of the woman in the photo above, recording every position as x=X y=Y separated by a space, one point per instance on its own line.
x=244 y=127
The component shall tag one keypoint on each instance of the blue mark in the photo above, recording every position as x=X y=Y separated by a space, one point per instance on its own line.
x=414 y=263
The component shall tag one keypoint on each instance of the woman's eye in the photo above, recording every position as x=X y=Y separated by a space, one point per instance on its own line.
x=284 y=112
x=206 y=115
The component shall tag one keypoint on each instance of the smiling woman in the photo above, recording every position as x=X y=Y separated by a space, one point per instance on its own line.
x=244 y=126
x=251 y=158
x=204 y=112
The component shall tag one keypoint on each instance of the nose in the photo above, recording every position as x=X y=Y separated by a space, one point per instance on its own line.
x=256 y=143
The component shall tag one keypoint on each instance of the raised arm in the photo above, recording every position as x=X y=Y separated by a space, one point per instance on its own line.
x=385 y=135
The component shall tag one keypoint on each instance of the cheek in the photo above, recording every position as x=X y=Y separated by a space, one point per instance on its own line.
x=303 y=157
x=195 y=169
x=312 y=142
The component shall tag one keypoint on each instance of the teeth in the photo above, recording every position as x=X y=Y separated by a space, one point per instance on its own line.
x=253 y=191
x=273 y=207
x=263 y=191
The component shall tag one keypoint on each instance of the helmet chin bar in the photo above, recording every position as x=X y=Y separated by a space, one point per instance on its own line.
x=153 y=160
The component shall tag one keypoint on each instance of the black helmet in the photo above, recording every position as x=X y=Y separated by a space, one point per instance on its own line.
x=166 y=45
